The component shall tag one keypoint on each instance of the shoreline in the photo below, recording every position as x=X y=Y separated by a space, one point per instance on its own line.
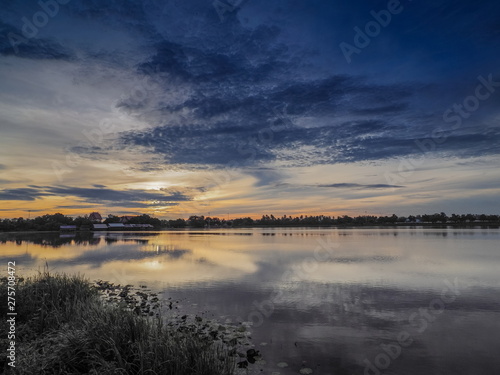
x=472 y=225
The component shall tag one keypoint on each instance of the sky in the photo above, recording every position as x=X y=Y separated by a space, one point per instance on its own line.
x=248 y=107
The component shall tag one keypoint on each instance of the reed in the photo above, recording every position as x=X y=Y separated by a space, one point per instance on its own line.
x=63 y=327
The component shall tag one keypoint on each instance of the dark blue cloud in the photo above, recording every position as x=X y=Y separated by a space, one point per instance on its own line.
x=22 y=194
x=269 y=83
x=259 y=125
x=344 y=185
x=124 y=198
x=231 y=111
x=359 y=186
x=13 y=43
x=111 y=195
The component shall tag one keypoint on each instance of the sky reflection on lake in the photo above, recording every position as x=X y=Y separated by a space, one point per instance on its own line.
x=334 y=316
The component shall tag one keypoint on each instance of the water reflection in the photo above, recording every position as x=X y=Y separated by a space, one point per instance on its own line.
x=50 y=239
x=332 y=315
x=65 y=239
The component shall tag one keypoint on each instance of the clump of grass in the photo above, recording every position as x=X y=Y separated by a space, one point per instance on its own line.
x=45 y=302
x=63 y=327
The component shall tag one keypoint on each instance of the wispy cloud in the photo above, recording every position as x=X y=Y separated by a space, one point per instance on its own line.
x=22 y=194
x=123 y=198
x=342 y=185
x=358 y=186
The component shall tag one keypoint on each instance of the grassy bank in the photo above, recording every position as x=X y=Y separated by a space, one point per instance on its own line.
x=64 y=327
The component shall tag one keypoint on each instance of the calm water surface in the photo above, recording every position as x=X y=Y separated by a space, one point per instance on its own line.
x=337 y=301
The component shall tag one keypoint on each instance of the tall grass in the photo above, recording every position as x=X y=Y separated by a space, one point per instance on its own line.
x=63 y=327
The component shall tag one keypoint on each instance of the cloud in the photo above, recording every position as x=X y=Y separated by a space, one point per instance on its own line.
x=258 y=126
x=123 y=198
x=13 y=43
x=391 y=108
x=336 y=120
x=242 y=112
x=244 y=94
x=358 y=186
x=22 y=194
x=10 y=209
x=118 y=196
x=343 y=185
x=266 y=176
x=80 y=206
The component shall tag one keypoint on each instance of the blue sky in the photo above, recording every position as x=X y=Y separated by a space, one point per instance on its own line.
x=175 y=108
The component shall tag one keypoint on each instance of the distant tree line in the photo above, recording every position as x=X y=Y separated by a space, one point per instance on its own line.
x=53 y=222
x=345 y=220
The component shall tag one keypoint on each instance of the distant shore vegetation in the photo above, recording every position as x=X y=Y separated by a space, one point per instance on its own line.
x=53 y=222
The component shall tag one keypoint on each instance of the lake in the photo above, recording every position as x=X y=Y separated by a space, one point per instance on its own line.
x=335 y=301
